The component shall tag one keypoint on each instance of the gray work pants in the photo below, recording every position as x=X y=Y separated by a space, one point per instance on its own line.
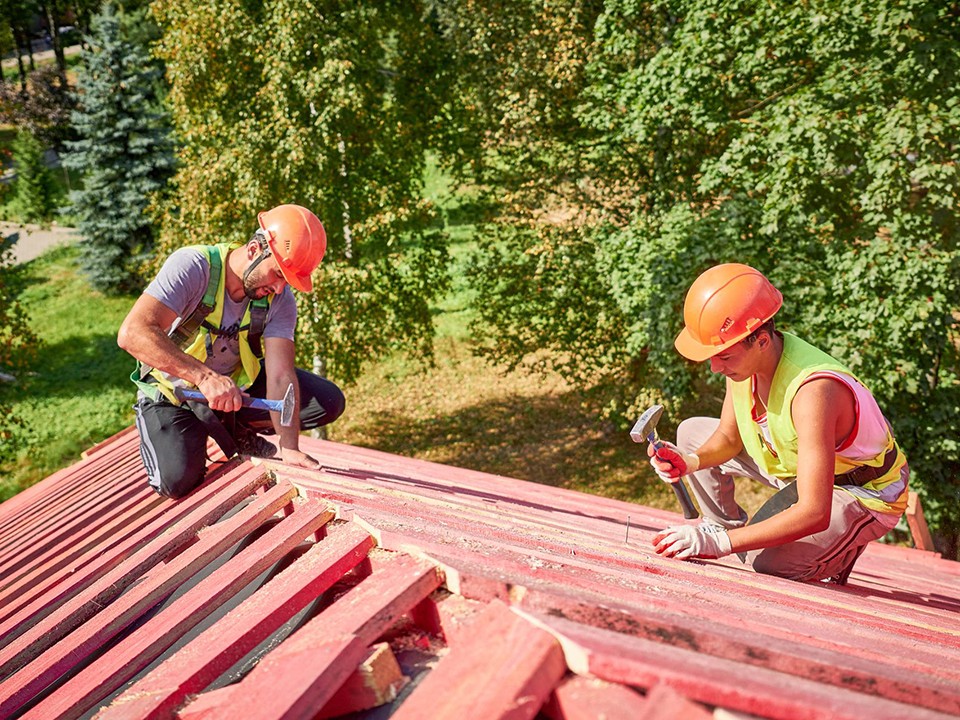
x=815 y=557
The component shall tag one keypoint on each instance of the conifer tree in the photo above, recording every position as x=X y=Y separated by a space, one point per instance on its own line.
x=124 y=152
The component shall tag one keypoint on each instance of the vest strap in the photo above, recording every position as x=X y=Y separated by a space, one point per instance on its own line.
x=864 y=474
x=258 y=321
x=185 y=331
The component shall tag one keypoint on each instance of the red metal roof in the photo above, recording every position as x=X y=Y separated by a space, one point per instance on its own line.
x=387 y=586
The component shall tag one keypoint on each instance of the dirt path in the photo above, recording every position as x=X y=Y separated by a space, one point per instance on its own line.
x=34 y=240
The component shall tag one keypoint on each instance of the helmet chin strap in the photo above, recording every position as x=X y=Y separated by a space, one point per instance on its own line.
x=264 y=254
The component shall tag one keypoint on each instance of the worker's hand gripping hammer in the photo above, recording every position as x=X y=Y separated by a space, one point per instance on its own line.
x=645 y=430
x=285 y=407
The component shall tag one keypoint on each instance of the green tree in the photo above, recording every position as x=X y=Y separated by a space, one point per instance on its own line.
x=125 y=153
x=519 y=80
x=816 y=141
x=326 y=104
x=18 y=345
x=44 y=111
x=34 y=189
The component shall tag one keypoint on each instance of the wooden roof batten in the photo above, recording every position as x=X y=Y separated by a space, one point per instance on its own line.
x=383 y=586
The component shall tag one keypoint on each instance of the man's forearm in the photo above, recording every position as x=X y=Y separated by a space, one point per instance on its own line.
x=157 y=350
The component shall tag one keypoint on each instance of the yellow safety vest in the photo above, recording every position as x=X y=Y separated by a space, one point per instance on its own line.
x=798 y=362
x=193 y=334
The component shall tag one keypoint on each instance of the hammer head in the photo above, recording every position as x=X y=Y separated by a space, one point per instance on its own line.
x=645 y=429
x=287 y=406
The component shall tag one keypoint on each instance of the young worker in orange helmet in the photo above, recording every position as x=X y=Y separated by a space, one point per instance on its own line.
x=793 y=418
x=221 y=318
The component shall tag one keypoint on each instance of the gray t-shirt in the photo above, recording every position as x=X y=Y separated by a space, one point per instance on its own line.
x=180 y=286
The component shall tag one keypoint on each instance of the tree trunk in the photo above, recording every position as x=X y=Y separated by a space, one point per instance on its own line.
x=17 y=39
x=26 y=37
x=49 y=9
x=347 y=235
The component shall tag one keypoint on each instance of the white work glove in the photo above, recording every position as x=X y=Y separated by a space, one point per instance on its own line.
x=683 y=542
x=670 y=463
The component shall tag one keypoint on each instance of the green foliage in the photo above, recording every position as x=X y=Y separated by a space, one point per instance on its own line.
x=324 y=104
x=124 y=152
x=44 y=110
x=815 y=141
x=75 y=391
x=34 y=194
x=18 y=345
x=355 y=310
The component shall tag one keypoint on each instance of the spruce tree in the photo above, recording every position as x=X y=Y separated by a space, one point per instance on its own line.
x=124 y=152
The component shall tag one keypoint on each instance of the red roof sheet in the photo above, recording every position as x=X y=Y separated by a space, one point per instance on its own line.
x=432 y=592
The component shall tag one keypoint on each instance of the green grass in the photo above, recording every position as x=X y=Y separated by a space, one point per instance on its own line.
x=78 y=392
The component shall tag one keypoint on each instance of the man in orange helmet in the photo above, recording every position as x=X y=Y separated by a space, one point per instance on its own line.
x=221 y=318
x=793 y=418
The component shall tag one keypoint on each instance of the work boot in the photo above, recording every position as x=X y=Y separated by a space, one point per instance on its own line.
x=251 y=444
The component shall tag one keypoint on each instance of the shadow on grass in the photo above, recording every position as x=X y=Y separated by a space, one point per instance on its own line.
x=81 y=366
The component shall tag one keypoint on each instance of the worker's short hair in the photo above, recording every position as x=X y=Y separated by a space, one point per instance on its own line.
x=260 y=236
x=768 y=327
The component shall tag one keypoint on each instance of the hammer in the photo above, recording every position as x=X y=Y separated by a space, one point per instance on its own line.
x=284 y=407
x=645 y=430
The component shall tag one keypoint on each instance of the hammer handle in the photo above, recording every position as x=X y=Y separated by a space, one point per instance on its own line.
x=689 y=511
x=258 y=403
x=679 y=489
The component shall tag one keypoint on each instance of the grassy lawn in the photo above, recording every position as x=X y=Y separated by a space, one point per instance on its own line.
x=78 y=392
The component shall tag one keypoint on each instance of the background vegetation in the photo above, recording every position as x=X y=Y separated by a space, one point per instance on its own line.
x=602 y=154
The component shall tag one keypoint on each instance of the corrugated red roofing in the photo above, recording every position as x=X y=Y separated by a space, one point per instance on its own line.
x=430 y=591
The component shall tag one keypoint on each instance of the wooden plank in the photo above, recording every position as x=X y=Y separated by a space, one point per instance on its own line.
x=20 y=614
x=331 y=663
x=822 y=615
x=396 y=584
x=512 y=667
x=75 y=648
x=580 y=698
x=665 y=702
x=30 y=497
x=456 y=613
x=641 y=663
x=98 y=594
x=748 y=643
x=218 y=648
x=403 y=525
x=66 y=551
x=376 y=682
x=45 y=523
x=918 y=523
x=133 y=653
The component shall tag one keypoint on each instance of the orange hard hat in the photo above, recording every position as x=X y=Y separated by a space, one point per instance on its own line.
x=298 y=241
x=724 y=305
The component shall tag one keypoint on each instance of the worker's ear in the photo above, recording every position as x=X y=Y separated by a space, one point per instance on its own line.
x=763 y=340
